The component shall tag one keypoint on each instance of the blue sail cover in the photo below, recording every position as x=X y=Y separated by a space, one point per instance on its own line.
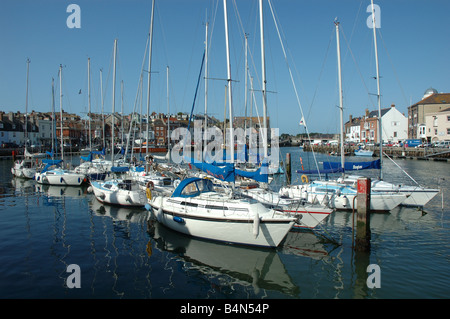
x=353 y=166
x=49 y=163
x=87 y=158
x=120 y=169
x=222 y=171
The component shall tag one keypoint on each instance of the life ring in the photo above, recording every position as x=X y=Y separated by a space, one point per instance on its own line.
x=304 y=179
x=150 y=185
x=176 y=183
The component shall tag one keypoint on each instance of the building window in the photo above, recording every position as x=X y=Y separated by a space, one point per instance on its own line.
x=448 y=118
x=435 y=131
x=448 y=131
x=395 y=134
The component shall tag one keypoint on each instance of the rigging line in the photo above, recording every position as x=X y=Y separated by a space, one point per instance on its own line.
x=196 y=90
x=293 y=83
x=392 y=65
x=321 y=71
x=357 y=67
x=401 y=169
x=138 y=91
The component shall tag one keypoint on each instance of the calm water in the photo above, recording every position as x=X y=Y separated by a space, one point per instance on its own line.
x=44 y=229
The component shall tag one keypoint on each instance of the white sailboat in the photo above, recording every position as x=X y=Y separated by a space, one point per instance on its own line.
x=196 y=209
x=25 y=168
x=59 y=176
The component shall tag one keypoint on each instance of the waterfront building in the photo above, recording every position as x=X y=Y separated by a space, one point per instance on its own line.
x=438 y=126
x=394 y=125
x=432 y=102
x=353 y=130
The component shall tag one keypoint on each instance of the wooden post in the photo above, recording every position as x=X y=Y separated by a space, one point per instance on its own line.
x=362 y=242
x=288 y=168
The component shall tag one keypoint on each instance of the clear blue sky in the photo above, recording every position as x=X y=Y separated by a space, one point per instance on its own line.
x=413 y=48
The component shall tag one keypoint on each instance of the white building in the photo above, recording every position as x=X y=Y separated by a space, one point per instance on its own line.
x=394 y=125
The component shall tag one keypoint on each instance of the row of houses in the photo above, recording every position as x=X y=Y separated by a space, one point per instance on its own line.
x=427 y=120
x=37 y=128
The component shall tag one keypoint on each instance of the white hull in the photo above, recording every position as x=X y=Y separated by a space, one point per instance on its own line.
x=60 y=177
x=235 y=224
x=24 y=169
x=117 y=196
x=418 y=196
x=378 y=202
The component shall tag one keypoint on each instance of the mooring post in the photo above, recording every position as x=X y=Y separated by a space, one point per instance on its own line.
x=288 y=168
x=362 y=242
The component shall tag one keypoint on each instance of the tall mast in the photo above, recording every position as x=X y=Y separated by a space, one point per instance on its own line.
x=378 y=87
x=61 y=112
x=103 y=114
x=246 y=80
x=26 y=105
x=263 y=63
x=168 y=118
x=341 y=103
x=53 y=117
x=89 y=102
x=205 y=135
x=121 y=112
x=229 y=80
x=113 y=102
x=149 y=70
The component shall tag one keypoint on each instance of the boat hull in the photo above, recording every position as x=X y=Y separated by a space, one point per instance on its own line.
x=59 y=178
x=378 y=202
x=131 y=198
x=231 y=229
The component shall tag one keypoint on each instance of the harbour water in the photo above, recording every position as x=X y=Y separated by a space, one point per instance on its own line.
x=121 y=255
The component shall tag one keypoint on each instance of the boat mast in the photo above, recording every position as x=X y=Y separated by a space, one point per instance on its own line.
x=26 y=105
x=113 y=102
x=229 y=80
x=149 y=70
x=341 y=107
x=121 y=112
x=53 y=118
x=246 y=86
x=264 y=82
x=205 y=135
x=168 y=118
x=378 y=86
x=103 y=114
x=61 y=112
x=89 y=102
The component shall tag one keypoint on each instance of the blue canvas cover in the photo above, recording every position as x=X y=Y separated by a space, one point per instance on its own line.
x=354 y=166
x=201 y=185
x=222 y=171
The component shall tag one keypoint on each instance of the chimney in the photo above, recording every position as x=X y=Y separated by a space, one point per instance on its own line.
x=393 y=105
x=351 y=119
x=367 y=112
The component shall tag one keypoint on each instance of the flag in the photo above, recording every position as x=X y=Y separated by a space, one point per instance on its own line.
x=302 y=122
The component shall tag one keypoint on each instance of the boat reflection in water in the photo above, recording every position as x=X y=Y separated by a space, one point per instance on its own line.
x=118 y=213
x=60 y=191
x=257 y=269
